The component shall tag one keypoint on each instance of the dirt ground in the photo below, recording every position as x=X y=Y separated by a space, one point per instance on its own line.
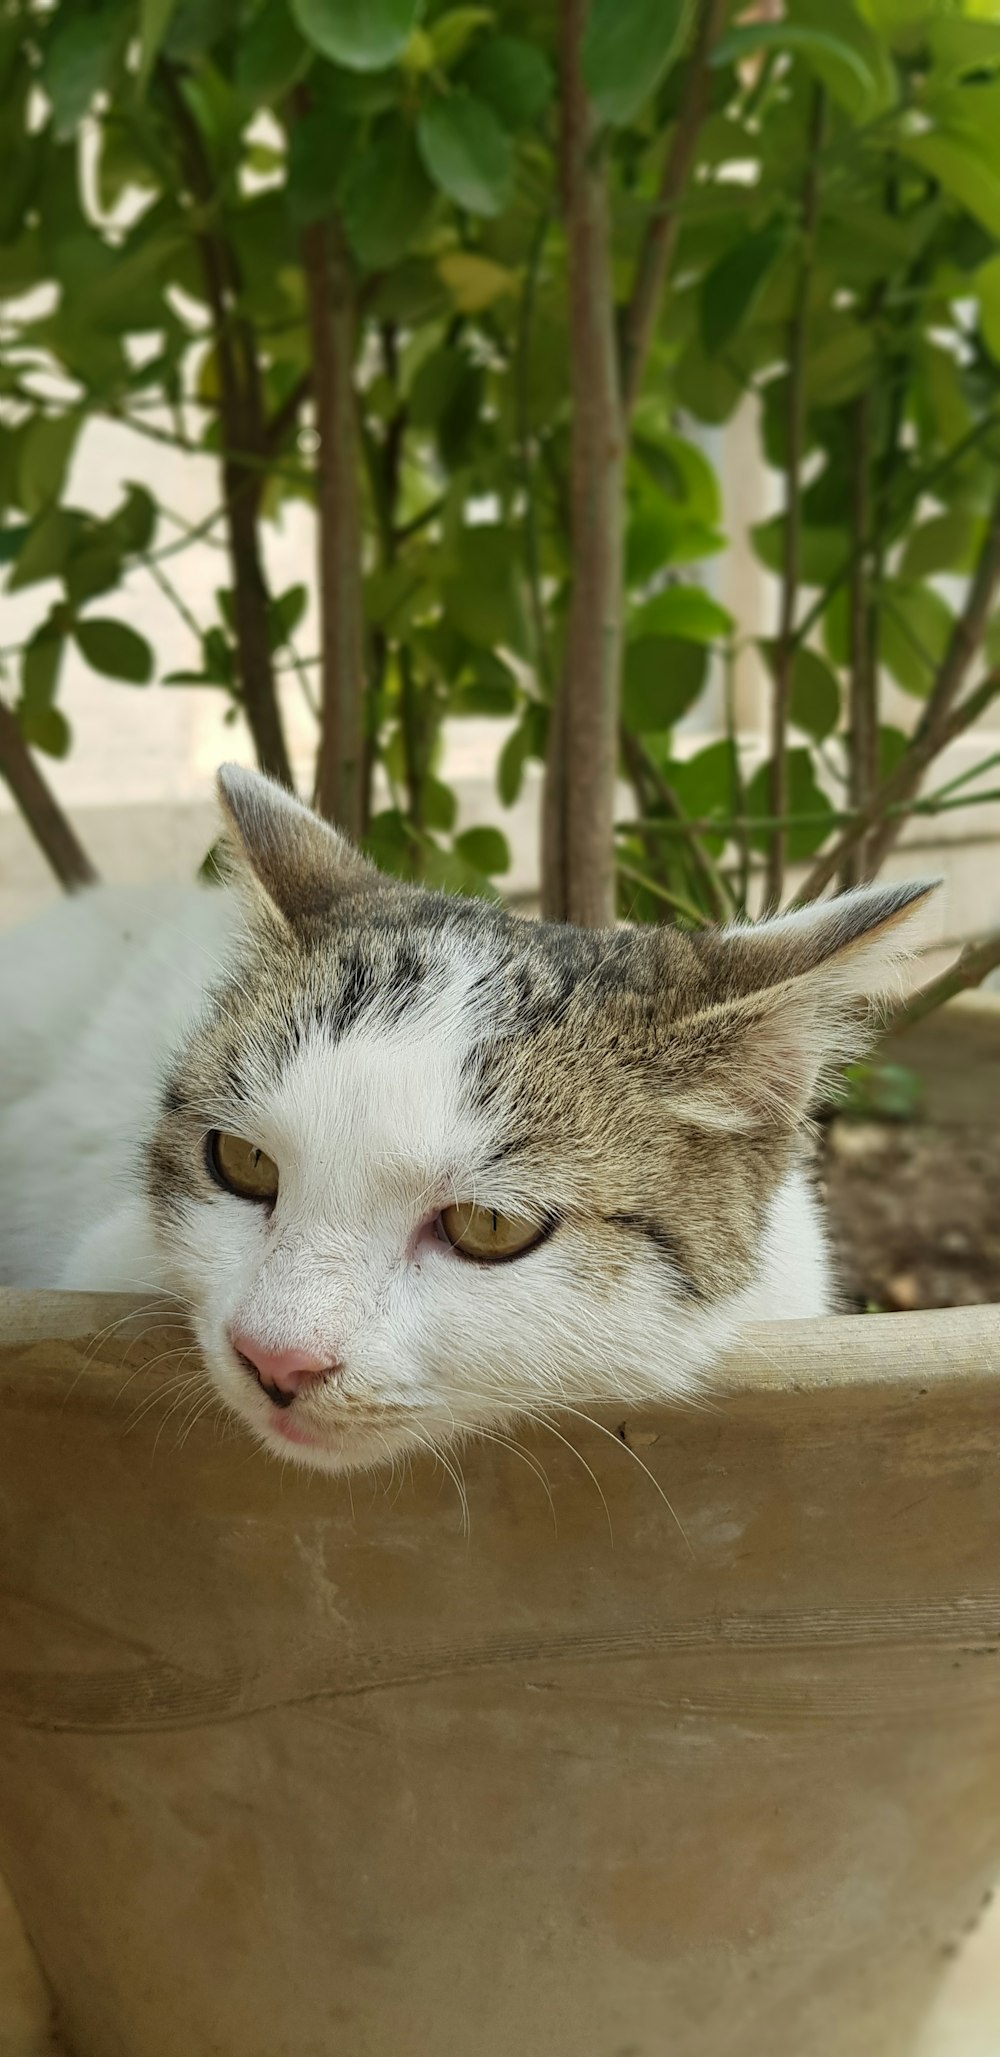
x=915 y=1204
x=915 y=1212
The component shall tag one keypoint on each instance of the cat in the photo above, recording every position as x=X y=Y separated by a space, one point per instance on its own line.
x=415 y=1165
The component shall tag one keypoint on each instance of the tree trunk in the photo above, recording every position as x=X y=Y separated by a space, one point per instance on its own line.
x=340 y=775
x=578 y=871
x=40 y=809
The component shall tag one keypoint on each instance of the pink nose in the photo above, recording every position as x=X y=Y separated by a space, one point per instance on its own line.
x=282 y=1373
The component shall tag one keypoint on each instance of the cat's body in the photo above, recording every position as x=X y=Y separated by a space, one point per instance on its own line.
x=492 y=1166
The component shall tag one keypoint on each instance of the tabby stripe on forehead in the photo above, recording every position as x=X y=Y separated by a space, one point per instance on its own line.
x=665 y=1243
x=391 y=987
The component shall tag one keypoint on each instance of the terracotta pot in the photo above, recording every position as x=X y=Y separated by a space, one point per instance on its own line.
x=291 y=1769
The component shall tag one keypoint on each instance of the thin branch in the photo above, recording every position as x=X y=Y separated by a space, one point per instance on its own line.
x=942 y=720
x=284 y=417
x=736 y=766
x=405 y=529
x=646 y=775
x=795 y=423
x=171 y=593
x=661 y=892
x=917 y=485
x=863 y=734
x=333 y=324
x=734 y=824
x=52 y=831
x=243 y=429
x=642 y=312
x=528 y=458
x=578 y=867
x=974 y=965
x=964 y=645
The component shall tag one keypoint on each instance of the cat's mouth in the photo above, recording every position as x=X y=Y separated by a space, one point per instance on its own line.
x=359 y=1436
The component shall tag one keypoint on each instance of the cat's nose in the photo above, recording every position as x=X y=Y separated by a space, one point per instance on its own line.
x=282 y=1373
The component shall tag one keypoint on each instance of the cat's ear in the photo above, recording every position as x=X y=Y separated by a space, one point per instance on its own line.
x=796 y=997
x=300 y=862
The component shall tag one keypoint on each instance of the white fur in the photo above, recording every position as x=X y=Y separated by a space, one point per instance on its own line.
x=372 y=1139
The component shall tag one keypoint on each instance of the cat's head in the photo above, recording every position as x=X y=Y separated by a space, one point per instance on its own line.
x=425 y=1166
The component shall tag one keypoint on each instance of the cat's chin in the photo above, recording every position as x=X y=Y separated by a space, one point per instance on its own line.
x=334 y=1450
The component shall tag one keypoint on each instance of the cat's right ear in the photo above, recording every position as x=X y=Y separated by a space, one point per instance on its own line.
x=302 y=864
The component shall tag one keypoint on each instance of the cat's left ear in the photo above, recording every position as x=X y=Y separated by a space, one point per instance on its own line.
x=791 y=1000
x=302 y=864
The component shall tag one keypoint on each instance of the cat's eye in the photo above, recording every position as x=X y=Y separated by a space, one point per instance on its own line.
x=487 y=1235
x=241 y=1167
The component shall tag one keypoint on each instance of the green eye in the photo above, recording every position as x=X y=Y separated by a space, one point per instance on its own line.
x=482 y=1233
x=241 y=1167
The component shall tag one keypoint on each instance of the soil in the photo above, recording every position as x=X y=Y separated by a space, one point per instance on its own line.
x=915 y=1213
x=915 y=1205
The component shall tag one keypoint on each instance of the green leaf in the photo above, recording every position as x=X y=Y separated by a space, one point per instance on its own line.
x=805 y=796
x=878 y=1091
x=851 y=80
x=440 y=804
x=284 y=614
x=514 y=78
x=473 y=281
x=467 y=152
x=823 y=552
x=446 y=872
x=40 y=664
x=79 y=56
x=114 y=649
x=196 y=26
x=154 y=21
x=704 y=783
x=364 y=35
x=837 y=628
x=450 y=35
x=446 y=396
x=661 y=466
x=987 y=284
x=958 y=45
x=395 y=593
x=663 y=676
x=480 y=697
x=483 y=597
x=626 y=50
x=892 y=745
x=48 y=545
x=390 y=843
x=815 y=697
x=385 y=198
x=962 y=169
x=814 y=703
x=684 y=611
x=45 y=728
x=486 y=849
x=709 y=389
x=134 y=523
x=270 y=55
x=491 y=689
x=318 y=157
x=947 y=542
x=94 y=568
x=734 y=285
x=526 y=741
x=916 y=626
x=839 y=361
x=44 y=458
x=13 y=536
x=218 y=657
